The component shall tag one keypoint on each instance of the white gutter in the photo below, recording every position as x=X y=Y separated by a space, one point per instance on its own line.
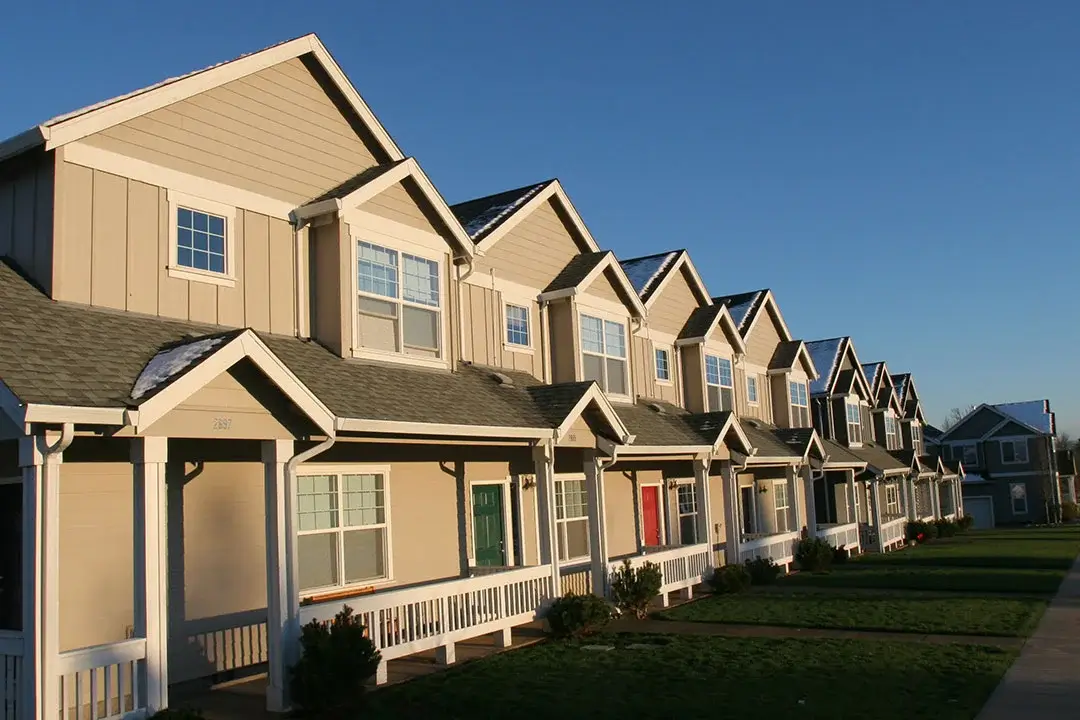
x=436 y=429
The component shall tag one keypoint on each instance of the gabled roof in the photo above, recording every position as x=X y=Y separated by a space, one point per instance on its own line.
x=879 y=461
x=1034 y=415
x=872 y=372
x=827 y=355
x=586 y=267
x=881 y=388
x=651 y=273
x=704 y=320
x=922 y=465
x=780 y=445
x=76 y=125
x=838 y=456
x=746 y=308
x=482 y=215
x=788 y=353
x=564 y=403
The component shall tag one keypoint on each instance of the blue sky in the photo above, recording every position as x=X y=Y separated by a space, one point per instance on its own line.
x=902 y=172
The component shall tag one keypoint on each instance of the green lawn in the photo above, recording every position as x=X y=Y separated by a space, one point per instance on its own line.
x=869 y=611
x=690 y=676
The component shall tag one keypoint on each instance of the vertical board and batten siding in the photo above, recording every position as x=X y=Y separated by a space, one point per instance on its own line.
x=762 y=341
x=564 y=358
x=483 y=329
x=115 y=252
x=26 y=216
x=693 y=377
x=644 y=366
x=619 y=510
x=276 y=132
x=534 y=251
x=780 y=399
x=670 y=310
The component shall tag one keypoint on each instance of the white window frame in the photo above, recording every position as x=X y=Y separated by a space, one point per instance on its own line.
x=777 y=507
x=663 y=508
x=509 y=531
x=1013 y=497
x=177 y=200
x=892 y=431
x=892 y=499
x=916 y=435
x=686 y=485
x=604 y=318
x=1015 y=443
x=360 y=232
x=560 y=523
x=756 y=399
x=856 y=423
x=720 y=387
x=342 y=470
x=793 y=399
x=667 y=350
x=511 y=346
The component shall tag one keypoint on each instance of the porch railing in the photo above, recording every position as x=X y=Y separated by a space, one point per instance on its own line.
x=576 y=579
x=230 y=642
x=845 y=536
x=779 y=547
x=103 y=682
x=11 y=652
x=892 y=531
x=411 y=620
x=680 y=567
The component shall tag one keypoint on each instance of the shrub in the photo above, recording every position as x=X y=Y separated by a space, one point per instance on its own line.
x=814 y=554
x=1069 y=511
x=632 y=589
x=337 y=658
x=964 y=523
x=763 y=571
x=840 y=555
x=946 y=528
x=730 y=579
x=178 y=714
x=575 y=616
x=920 y=531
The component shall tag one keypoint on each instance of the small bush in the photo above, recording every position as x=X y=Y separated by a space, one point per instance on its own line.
x=763 y=571
x=730 y=579
x=178 y=714
x=946 y=528
x=575 y=616
x=1069 y=511
x=632 y=589
x=337 y=658
x=964 y=523
x=840 y=555
x=921 y=532
x=814 y=554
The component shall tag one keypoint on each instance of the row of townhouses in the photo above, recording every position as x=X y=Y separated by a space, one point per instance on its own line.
x=255 y=368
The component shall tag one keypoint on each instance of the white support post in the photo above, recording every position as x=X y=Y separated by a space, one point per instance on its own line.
x=935 y=495
x=282 y=589
x=704 y=505
x=811 y=501
x=594 y=486
x=733 y=518
x=544 y=465
x=794 y=519
x=853 y=508
x=909 y=497
x=446 y=654
x=875 y=511
x=148 y=456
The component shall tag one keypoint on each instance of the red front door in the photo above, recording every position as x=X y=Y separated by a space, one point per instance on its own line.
x=650 y=514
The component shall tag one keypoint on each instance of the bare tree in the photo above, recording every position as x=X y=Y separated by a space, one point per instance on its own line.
x=1064 y=441
x=955 y=415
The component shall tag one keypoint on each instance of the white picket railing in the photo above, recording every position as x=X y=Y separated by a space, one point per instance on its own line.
x=780 y=547
x=230 y=642
x=410 y=620
x=103 y=682
x=892 y=532
x=845 y=536
x=680 y=567
x=576 y=579
x=11 y=651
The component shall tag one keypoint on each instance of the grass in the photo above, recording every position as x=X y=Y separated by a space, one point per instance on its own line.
x=934 y=614
x=690 y=676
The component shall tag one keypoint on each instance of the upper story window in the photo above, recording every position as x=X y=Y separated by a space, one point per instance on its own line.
x=663 y=364
x=891 y=432
x=719 y=383
x=916 y=436
x=517 y=326
x=751 y=389
x=603 y=354
x=854 y=423
x=800 y=404
x=1014 y=451
x=200 y=240
x=969 y=454
x=400 y=304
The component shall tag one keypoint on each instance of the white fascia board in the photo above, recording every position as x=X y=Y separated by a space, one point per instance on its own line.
x=394 y=427
x=75 y=414
x=23 y=141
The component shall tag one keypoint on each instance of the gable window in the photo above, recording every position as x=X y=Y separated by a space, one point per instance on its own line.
x=1014 y=451
x=687 y=514
x=663 y=364
x=517 y=326
x=342 y=529
x=572 y=519
x=854 y=423
x=603 y=353
x=719 y=384
x=399 y=301
x=916 y=437
x=891 y=432
x=780 y=493
x=751 y=389
x=1018 y=495
x=800 y=404
x=200 y=240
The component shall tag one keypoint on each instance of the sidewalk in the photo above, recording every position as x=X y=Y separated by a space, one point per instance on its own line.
x=1044 y=682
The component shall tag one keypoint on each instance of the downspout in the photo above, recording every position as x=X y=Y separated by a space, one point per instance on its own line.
x=470 y=268
x=302 y=323
x=545 y=351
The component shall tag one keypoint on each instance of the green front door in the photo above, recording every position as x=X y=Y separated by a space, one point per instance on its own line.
x=488 y=545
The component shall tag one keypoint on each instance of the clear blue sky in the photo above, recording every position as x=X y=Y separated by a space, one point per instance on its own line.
x=906 y=173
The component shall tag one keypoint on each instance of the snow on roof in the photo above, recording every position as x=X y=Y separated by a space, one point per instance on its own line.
x=973 y=478
x=900 y=383
x=824 y=353
x=643 y=272
x=483 y=214
x=871 y=371
x=740 y=306
x=167 y=364
x=1035 y=413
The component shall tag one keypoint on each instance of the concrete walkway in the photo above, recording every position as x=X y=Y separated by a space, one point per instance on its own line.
x=1044 y=682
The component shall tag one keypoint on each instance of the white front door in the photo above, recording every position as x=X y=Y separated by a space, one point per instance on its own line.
x=981 y=509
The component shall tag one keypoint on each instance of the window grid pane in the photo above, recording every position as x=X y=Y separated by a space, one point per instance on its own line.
x=592 y=335
x=517 y=325
x=421 y=280
x=200 y=240
x=615 y=339
x=663 y=369
x=363 y=500
x=751 y=389
x=687 y=499
x=377 y=269
x=317 y=502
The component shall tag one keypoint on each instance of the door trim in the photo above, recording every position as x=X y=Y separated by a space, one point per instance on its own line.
x=508 y=527
x=661 y=506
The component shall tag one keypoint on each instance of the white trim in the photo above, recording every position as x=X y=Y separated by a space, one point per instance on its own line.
x=1033 y=474
x=509 y=559
x=23 y=141
x=163 y=177
x=785 y=334
x=661 y=491
x=604 y=318
x=530 y=347
x=748 y=377
x=394 y=427
x=489 y=281
x=580 y=290
x=572 y=477
x=419 y=241
x=81 y=415
x=177 y=200
x=595 y=394
x=1012 y=500
x=669 y=351
x=683 y=261
x=553 y=190
x=1006 y=419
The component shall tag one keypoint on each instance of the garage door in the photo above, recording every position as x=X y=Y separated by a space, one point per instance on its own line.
x=981 y=509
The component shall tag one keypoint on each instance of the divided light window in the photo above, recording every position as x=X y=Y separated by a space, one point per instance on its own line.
x=517 y=325
x=751 y=389
x=603 y=354
x=780 y=492
x=399 y=301
x=1018 y=495
x=916 y=436
x=1014 y=451
x=572 y=519
x=970 y=455
x=200 y=241
x=342 y=530
x=663 y=364
x=892 y=500
x=854 y=423
x=800 y=405
x=890 y=432
x=687 y=514
x=719 y=384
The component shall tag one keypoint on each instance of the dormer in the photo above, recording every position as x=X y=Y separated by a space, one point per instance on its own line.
x=708 y=347
x=886 y=410
x=840 y=397
x=912 y=420
x=773 y=374
x=671 y=289
x=384 y=251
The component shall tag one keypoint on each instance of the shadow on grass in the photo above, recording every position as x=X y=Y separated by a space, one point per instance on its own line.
x=994 y=580
x=902 y=559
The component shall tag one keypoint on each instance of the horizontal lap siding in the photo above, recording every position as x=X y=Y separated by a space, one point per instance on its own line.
x=403 y=203
x=670 y=311
x=533 y=252
x=762 y=342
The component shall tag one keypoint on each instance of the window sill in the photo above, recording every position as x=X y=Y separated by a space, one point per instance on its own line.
x=203 y=276
x=344 y=593
x=666 y=383
x=401 y=359
x=520 y=349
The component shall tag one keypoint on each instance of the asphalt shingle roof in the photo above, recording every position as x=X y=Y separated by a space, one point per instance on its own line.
x=659 y=423
x=700 y=320
x=576 y=270
x=481 y=216
x=785 y=355
x=742 y=306
x=357 y=181
x=776 y=442
x=879 y=458
x=839 y=454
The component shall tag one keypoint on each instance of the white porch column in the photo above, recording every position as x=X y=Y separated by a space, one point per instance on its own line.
x=935 y=498
x=598 y=550
x=811 y=501
x=875 y=512
x=732 y=516
x=544 y=468
x=853 y=507
x=704 y=505
x=282 y=586
x=909 y=497
x=148 y=455
x=794 y=516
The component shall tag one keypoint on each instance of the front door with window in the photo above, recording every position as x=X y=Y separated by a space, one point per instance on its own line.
x=489 y=542
x=650 y=515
